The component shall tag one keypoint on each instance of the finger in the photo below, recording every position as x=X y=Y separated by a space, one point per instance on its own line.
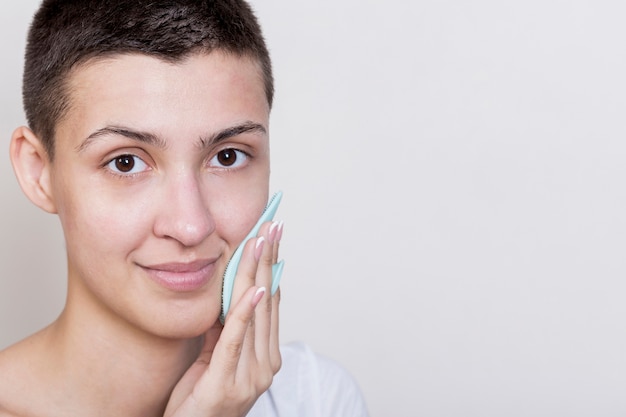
x=246 y=270
x=255 y=273
x=228 y=350
x=263 y=273
x=263 y=323
x=244 y=280
x=278 y=234
x=274 y=346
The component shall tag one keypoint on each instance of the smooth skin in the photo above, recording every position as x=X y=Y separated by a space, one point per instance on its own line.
x=160 y=170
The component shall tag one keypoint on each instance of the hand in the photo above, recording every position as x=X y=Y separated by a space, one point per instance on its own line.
x=239 y=360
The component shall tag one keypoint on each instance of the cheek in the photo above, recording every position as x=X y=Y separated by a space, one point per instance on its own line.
x=92 y=221
x=236 y=214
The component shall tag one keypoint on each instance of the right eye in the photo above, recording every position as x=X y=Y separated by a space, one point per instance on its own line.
x=127 y=164
x=229 y=158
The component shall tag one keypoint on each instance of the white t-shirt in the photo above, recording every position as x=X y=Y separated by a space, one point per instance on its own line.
x=309 y=385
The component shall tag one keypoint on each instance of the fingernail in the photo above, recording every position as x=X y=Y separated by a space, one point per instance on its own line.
x=258 y=295
x=258 y=250
x=273 y=232
x=279 y=233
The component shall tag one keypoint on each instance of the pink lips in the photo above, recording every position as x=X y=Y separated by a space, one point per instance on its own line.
x=182 y=277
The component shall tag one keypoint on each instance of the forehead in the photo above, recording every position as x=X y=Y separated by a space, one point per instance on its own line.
x=150 y=93
x=195 y=70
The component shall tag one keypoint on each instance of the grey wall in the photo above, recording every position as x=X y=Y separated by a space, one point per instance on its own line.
x=454 y=196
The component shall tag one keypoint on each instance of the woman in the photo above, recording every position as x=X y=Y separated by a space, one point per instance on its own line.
x=149 y=137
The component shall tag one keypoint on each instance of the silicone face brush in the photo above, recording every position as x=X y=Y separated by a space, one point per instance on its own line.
x=233 y=264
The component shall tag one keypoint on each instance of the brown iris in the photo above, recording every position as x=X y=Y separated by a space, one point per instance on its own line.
x=125 y=163
x=227 y=157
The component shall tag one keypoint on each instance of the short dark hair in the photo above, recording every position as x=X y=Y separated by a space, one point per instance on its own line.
x=67 y=33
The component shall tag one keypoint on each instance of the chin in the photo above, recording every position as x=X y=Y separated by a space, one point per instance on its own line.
x=183 y=327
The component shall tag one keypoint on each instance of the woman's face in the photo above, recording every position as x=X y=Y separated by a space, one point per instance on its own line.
x=160 y=171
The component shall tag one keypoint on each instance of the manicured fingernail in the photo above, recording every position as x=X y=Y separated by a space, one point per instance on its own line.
x=273 y=232
x=258 y=295
x=279 y=233
x=258 y=250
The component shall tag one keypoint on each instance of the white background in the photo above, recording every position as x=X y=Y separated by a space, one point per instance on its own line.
x=454 y=200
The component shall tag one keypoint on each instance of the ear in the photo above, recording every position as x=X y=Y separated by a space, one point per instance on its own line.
x=32 y=168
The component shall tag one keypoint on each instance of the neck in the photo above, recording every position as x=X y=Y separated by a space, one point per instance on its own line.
x=113 y=367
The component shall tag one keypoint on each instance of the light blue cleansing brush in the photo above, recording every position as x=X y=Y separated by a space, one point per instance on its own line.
x=233 y=263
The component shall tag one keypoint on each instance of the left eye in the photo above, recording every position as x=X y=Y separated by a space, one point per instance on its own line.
x=229 y=158
x=127 y=164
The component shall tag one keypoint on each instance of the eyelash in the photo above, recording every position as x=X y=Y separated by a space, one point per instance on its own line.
x=238 y=153
x=110 y=164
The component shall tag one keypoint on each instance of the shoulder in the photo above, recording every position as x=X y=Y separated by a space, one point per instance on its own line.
x=21 y=380
x=10 y=378
x=312 y=385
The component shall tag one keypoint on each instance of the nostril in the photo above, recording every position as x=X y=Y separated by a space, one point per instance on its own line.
x=184 y=217
x=192 y=230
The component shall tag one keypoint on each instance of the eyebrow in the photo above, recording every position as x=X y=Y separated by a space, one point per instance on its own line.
x=157 y=141
x=135 y=135
x=230 y=132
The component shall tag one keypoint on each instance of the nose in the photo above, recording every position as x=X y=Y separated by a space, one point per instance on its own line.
x=184 y=214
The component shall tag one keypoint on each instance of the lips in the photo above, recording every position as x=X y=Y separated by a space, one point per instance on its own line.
x=182 y=276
